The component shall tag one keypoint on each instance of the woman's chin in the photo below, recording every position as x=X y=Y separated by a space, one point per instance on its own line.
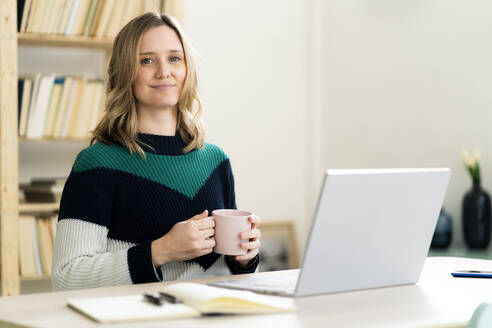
x=163 y=105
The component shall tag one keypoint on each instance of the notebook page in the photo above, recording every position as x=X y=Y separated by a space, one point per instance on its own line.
x=128 y=308
x=214 y=299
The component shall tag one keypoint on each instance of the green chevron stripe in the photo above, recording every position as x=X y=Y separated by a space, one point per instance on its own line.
x=185 y=173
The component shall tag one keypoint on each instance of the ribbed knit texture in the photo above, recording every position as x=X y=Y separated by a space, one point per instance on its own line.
x=112 y=196
x=110 y=157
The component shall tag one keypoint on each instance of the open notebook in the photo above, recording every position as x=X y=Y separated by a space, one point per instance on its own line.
x=197 y=299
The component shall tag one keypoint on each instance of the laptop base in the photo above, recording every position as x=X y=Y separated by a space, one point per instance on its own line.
x=283 y=284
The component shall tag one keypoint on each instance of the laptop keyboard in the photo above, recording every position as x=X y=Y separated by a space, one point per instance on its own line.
x=285 y=282
x=281 y=283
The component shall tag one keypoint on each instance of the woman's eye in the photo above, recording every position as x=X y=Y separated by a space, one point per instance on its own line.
x=146 y=61
x=175 y=59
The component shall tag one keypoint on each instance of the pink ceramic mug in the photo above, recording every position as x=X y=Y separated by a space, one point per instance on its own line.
x=228 y=225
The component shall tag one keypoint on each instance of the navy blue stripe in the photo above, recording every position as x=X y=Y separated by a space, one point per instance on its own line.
x=137 y=210
x=140 y=264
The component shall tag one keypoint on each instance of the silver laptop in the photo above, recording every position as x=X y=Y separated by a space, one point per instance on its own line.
x=372 y=228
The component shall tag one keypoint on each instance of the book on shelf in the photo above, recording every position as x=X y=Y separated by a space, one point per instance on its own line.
x=80 y=13
x=53 y=225
x=153 y=5
x=73 y=106
x=34 y=4
x=43 y=190
x=23 y=8
x=104 y=17
x=55 y=16
x=36 y=243
x=88 y=114
x=91 y=13
x=80 y=17
x=20 y=90
x=45 y=241
x=27 y=250
x=115 y=18
x=47 y=16
x=55 y=107
x=194 y=300
x=40 y=14
x=66 y=111
x=85 y=16
x=91 y=30
x=59 y=118
x=75 y=17
x=24 y=104
x=132 y=10
x=63 y=17
x=32 y=82
x=42 y=194
x=48 y=181
x=43 y=12
x=54 y=104
x=97 y=106
x=37 y=113
x=37 y=257
x=71 y=17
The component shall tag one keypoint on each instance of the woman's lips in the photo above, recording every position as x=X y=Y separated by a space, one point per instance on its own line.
x=163 y=86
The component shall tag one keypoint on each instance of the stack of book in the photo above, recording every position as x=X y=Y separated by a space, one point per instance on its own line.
x=58 y=107
x=37 y=227
x=81 y=17
x=36 y=242
x=43 y=190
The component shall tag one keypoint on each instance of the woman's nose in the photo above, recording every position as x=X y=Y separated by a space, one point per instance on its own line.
x=163 y=71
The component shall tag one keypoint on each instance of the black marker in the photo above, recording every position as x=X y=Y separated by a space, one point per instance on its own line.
x=152 y=299
x=169 y=298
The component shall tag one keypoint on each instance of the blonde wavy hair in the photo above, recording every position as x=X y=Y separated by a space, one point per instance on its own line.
x=119 y=122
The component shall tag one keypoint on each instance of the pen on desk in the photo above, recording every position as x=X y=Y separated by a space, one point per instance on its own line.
x=152 y=299
x=169 y=298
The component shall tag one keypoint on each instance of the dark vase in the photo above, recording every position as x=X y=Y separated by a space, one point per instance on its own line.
x=476 y=217
x=443 y=232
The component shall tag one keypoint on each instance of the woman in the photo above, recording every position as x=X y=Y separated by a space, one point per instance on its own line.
x=136 y=205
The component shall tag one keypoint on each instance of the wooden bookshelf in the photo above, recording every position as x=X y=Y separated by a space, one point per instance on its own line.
x=9 y=168
x=86 y=140
x=33 y=208
x=39 y=39
x=34 y=278
x=9 y=141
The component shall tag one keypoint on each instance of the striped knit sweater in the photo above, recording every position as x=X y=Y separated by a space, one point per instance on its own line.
x=114 y=204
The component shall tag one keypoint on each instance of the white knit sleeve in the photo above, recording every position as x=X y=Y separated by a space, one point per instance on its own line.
x=82 y=257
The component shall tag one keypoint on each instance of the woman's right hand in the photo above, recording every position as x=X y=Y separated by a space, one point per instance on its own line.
x=186 y=240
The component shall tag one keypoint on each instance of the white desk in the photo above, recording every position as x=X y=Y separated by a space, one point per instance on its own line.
x=437 y=300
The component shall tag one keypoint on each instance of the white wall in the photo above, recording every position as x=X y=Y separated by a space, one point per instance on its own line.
x=254 y=85
x=358 y=83
x=408 y=84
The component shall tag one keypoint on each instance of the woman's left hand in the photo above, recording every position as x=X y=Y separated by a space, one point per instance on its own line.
x=253 y=245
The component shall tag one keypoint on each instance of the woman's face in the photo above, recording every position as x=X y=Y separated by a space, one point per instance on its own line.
x=162 y=70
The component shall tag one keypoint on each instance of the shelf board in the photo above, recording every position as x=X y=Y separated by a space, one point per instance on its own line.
x=58 y=40
x=23 y=139
x=32 y=278
x=28 y=208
